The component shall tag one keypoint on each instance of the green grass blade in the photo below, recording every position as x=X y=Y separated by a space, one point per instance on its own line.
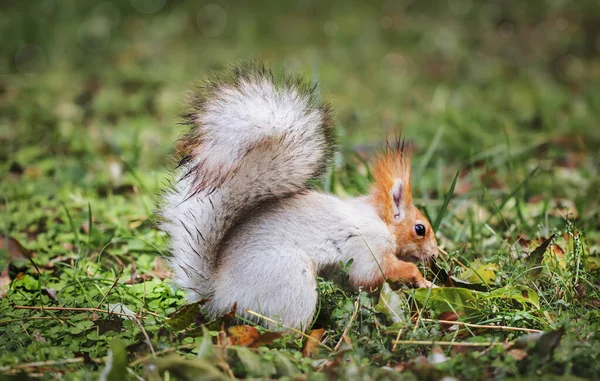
x=449 y=195
x=73 y=229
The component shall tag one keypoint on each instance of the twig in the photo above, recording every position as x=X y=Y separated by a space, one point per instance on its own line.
x=108 y=292
x=37 y=364
x=151 y=313
x=3 y=322
x=397 y=339
x=354 y=314
x=148 y=342
x=447 y=343
x=84 y=309
x=501 y=327
x=25 y=329
x=291 y=329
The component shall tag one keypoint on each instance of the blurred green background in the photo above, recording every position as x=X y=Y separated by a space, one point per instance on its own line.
x=91 y=84
x=90 y=90
x=506 y=94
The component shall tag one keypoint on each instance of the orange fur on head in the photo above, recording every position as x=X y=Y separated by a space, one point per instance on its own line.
x=391 y=165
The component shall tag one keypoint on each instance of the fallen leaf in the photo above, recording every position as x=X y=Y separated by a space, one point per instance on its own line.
x=521 y=294
x=107 y=325
x=230 y=316
x=448 y=299
x=312 y=346
x=537 y=256
x=392 y=304
x=479 y=272
x=185 y=316
x=469 y=302
x=540 y=346
x=243 y=335
x=448 y=316
x=13 y=247
x=266 y=338
x=455 y=282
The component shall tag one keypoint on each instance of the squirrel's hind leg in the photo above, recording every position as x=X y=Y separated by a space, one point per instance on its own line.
x=278 y=283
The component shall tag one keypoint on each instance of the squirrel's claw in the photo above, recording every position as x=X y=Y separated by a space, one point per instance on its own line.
x=424 y=283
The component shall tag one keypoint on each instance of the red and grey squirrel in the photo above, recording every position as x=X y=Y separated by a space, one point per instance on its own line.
x=247 y=229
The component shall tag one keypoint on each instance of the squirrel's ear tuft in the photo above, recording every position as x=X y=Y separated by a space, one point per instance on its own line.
x=391 y=191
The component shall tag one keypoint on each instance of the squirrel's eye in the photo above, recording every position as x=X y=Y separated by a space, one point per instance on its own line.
x=420 y=230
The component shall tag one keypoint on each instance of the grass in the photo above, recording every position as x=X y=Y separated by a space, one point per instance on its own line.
x=499 y=100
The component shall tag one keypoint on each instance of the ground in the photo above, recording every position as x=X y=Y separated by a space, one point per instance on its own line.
x=500 y=101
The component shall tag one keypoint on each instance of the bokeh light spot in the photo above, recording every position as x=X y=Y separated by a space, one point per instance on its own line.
x=109 y=11
x=569 y=68
x=386 y=22
x=561 y=23
x=460 y=7
x=395 y=64
x=212 y=20
x=330 y=28
x=93 y=35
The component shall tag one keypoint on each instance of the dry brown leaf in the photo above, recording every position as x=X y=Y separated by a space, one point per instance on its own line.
x=448 y=316
x=312 y=346
x=266 y=338
x=14 y=248
x=15 y=251
x=243 y=335
x=248 y=336
x=558 y=251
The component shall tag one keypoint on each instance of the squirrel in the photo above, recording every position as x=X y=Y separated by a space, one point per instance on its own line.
x=247 y=230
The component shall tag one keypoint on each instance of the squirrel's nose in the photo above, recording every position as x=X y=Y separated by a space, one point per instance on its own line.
x=434 y=252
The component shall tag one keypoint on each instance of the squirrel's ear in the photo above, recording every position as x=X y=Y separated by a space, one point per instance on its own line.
x=398 y=204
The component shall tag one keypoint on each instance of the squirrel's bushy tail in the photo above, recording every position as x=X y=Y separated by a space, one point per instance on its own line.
x=253 y=139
